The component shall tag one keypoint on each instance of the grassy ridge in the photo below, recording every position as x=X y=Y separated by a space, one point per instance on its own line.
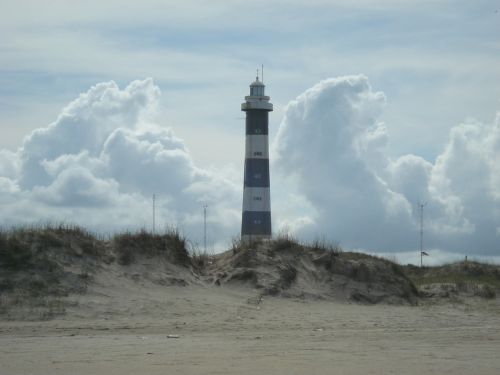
x=476 y=278
x=29 y=247
x=57 y=260
x=460 y=272
x=60 y=259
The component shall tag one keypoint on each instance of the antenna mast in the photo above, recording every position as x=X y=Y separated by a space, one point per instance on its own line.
x=154 y=213
x=421 y=210
x=262 y=72
x=205 y=226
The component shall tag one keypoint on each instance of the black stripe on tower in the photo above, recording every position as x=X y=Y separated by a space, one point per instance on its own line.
x=256 y=223
x=256 y=173
x=257 y=122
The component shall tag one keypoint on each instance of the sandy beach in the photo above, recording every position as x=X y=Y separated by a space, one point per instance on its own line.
x=82 y=306
x=131 y=329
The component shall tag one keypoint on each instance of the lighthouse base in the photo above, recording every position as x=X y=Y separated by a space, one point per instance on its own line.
x=249 y=238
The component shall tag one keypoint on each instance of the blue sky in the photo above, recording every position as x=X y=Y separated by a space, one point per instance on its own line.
x=435 y=61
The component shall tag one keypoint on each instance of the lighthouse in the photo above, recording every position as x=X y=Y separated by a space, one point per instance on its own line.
x=256 y=216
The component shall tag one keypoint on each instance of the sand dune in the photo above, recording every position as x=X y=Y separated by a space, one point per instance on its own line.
x=277 y=308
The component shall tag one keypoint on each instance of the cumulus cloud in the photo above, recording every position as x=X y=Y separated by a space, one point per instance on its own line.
x=332 y=146
x=102 y=159
x=85 y=125
x=100 y=162
x=77 y=187
x=9 y=164
x=326 y=137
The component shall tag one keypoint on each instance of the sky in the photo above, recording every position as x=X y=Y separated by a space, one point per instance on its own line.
x=377 y=106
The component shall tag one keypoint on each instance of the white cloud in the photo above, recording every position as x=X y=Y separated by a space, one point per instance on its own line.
x=9 y=170
x=7 y=186
x=326 y=137
x=84 y=125
x=58 y=47
x=78 y=187
x=100 y=162
x=9 y=164
x=332 y=146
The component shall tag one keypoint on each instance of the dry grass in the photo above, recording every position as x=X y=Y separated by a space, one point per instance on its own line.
x=171 y=245
x=38 y=262
x=45 y=262
x=284 y=241
x=474 y=278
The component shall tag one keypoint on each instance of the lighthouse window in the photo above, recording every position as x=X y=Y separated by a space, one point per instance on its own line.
x=257 y=175
x=257 y=198
x=257 y=91
x=256 y=221
x=257 y=153
x=258 y=131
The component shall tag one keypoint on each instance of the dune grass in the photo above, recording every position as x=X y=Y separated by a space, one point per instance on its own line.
x=169 y=244
x=458 y=273
x=39 y=252
x=471 y=277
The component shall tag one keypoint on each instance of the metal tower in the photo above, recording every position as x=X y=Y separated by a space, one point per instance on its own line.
x=256 y=217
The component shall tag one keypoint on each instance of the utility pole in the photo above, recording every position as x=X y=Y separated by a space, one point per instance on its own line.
x=154 y=213
x=205 y=226
x=421 y=209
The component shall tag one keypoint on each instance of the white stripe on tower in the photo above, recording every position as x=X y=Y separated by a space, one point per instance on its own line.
x=256 y=216
x=256 y=199
x=257 y=147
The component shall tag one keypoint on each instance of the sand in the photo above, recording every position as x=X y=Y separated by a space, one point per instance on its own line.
x=140 y=328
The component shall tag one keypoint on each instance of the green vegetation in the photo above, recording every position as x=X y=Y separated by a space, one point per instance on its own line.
x=469 y=277
x=457 y=273
x=48 y=262
x=284 y=241
x=323 y=245
x=201 y=260
x=170 y=245
x=26 y=247
x=55 y=260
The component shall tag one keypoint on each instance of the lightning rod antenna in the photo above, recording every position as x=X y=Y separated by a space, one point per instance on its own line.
x=154 y=213
x=421 y=209
x=205 y=206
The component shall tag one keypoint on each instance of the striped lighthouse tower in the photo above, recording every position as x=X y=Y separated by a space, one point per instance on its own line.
x=256 y=217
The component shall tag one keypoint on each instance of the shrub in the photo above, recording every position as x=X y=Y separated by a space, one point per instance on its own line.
x=398 y=270
x=176 y=243
x=125 y=257
x=14 y=253
x=170 y=245
x=283 y=241
x=200 y=260
x=288 y=274
x=485 y=291
x=323 y=245
x=246 y=257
